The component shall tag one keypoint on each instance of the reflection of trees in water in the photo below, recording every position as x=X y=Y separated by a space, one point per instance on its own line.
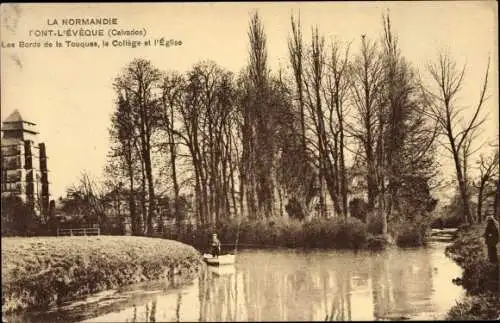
x=150 y=312
x=178 y=308
x=381 y=287
x=288 y=294
x=152 y=316
x=401 y=284
x=218 y=296
x=386 y=285
x=339 y=307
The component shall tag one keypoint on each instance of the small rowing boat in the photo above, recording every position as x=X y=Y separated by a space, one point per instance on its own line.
x=220 y=260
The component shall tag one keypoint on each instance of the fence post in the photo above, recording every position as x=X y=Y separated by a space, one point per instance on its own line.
x=71 y=232
x=84 y=231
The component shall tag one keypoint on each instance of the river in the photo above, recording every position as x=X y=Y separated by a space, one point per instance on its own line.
x=286 y=285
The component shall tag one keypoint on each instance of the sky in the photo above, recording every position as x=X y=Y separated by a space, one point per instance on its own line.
x=68 y=92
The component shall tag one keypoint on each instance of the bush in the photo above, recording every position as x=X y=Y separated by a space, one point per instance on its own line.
x=374 y=224
x=410 y=233
x=483 y=307
x=467 y=251
x=295 y=210
x=446 y=221
x=479 y=278
x=18 y=219
x=336 y=233
x=358 y=208
x=340 y=233
x=40 y=272
x=376 y=242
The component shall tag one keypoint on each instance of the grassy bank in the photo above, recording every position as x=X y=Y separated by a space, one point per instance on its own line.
x=328 y=233
x=42 y=271
x=480 y=278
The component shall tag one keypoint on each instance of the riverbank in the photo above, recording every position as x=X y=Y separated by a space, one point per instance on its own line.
x=40 y=272
x=480 y=278
x=323 y=233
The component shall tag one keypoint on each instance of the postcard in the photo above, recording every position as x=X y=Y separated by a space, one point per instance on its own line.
x=249 y=161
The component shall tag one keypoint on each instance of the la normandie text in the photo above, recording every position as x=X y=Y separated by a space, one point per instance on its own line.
x=83 y=22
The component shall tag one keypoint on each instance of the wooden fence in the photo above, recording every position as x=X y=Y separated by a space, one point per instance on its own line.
x=79 y=232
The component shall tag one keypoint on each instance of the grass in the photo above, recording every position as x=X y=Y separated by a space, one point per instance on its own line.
x=39 y=272
x=480 y=278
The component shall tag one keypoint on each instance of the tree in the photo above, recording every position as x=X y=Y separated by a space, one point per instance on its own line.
x=123 y=134
x=408 y=166
x=139 y=84
x=258 y=144
x=173 y=87
x=295 y=156
x=296 y=53
x=441 y=96
x=18 y=218
x=84 y=201
x=206 y=115
x=488 y=171
x=336 y=95
x=365 y=89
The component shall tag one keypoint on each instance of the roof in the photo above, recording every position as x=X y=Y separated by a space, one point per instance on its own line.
x=16 y=117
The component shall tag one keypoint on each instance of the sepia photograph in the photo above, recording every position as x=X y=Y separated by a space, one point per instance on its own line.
x=249 y=161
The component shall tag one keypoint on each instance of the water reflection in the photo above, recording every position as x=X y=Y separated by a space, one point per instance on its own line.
x=293 y=285
x=331 y=286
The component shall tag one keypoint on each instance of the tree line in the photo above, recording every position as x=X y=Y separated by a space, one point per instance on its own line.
x=314 y=138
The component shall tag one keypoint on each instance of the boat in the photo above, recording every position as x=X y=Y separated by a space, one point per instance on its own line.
x=220 y=260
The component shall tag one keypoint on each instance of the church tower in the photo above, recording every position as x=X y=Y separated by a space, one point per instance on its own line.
x=24 y=163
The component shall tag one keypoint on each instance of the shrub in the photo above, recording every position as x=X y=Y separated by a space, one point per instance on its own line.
x=358 y=208
x=447 y=221
x=479 y=278
x=294 y=209
x=287 y=232
x=467 y=251
x=18 y=219
x=374 y=224
x=410 y=233
x=376 y=242
x=483 y=307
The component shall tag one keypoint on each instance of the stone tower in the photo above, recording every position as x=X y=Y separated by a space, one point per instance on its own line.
x=24 y=163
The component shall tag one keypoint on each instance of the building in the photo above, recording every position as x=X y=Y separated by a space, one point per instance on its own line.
x=24 y=163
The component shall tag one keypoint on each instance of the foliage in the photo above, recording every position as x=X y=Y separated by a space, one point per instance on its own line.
x=479 y=278
x=19 y=219
x=482 y=307
x=295 y=210
x=335 y=233
x=450 y=215
x=358 y=208
x=410 y=234
x=40 y=272
x=376 y=242
x=447 y=220
x=83 y=203
x=468 y=252
x=261 y=143
x=374 y=223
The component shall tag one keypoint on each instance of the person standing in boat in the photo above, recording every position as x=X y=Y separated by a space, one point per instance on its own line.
x=491 y=236
x=215 y=245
